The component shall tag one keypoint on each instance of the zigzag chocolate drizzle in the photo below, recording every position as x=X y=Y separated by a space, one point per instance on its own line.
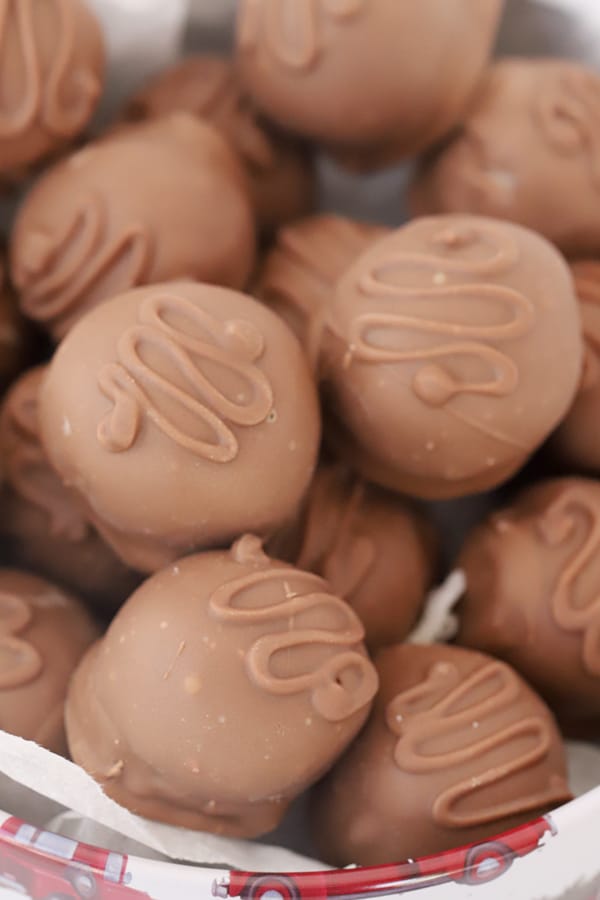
x=44 y=93
x=556 y=528
x=448 y=713
x=135 y=387
x=291 y=29
x=20 y=662
x=333 y=695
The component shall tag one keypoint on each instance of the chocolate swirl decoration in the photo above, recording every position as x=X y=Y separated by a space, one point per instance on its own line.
x=339 y=686
x=556 y=528
x=60 y=100
x=290 y=30
x=20 y=662
x=432 y=383
x=136 y=388
x=568 y=113
x=56 y=273
x=27 y=470
x=587 y=288
x=443 y=709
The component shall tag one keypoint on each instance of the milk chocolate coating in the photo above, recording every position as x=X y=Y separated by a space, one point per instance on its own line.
x=225 y=686
x=529 y=151
x=280 y=169
x=436 y=354
x=43 y=527
x=533 y=588
x=51 y=76
x=183 y=415
x=43 y=634
x=457 y=749
x=356 y=74
x=300 y=271
x=576 y=442
x=152 y=202
x=372 y=548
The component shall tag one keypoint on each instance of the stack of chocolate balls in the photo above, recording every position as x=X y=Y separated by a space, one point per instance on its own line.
x=218 y=461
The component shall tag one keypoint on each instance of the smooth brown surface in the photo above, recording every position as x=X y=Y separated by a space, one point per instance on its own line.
x=182 y=415
x=279 y=168
x=300 y=271
x=43 y=634
x=372 y=548
x=43 y=527
x=437 y=350
x=51 y=76
x=529 y=151
x=225 y=686
x=457 y=749
x=151 y=202
x=16 y=340
x=576 y=442
x=533 y=583
x=357 y=74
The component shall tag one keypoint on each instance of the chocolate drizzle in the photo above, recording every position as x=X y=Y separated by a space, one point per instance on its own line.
x=446 y=706
x=136 y=387
x=60 y=100
x=557 y=527
x=20 y=662
x=339 y=686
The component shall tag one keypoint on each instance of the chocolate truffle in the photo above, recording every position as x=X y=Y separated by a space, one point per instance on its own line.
x=225 y=686
x=183 y=415
x=436 y=351
x=51 y=76
x=357 y=74
x=42 y=525
x=153 y=202
x=280 y=169
x=529 y=151
x=576 y=442
x=458 y=748
x=16 y=341
x=43 y=634
x=371 y=547
x=300 y=271
x=533 y=588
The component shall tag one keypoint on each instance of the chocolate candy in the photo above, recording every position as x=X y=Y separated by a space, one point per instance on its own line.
x=226 y=685
x=153 y=202
x=529 y=151
x=43 y=634
x=43 y=527
x=16 y=343
x=436 y=351
x=182 y=415
x=533 y=583
x=576 y=442
x=280 y=169
x=372 y=548
x=458 y=748
x=51 y=76
x=356 y=74
x=300 y=271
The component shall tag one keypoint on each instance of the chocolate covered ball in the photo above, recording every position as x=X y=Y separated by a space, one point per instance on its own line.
x=153 y=202
x=51 y=76
x=576 y=442
x=226 y=685
x=16 y=340
x=457 y=749
x=280 y=169
x=43 y=527
x=357 y=74
x=182 y=415
x=528 y=151
x=43 y=634
x=302 y=268
x=533 y=583
x=436 y=353
x=372 y=548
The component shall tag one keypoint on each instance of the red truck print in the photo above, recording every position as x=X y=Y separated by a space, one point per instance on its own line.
x=47 y=866
x=472 y=865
